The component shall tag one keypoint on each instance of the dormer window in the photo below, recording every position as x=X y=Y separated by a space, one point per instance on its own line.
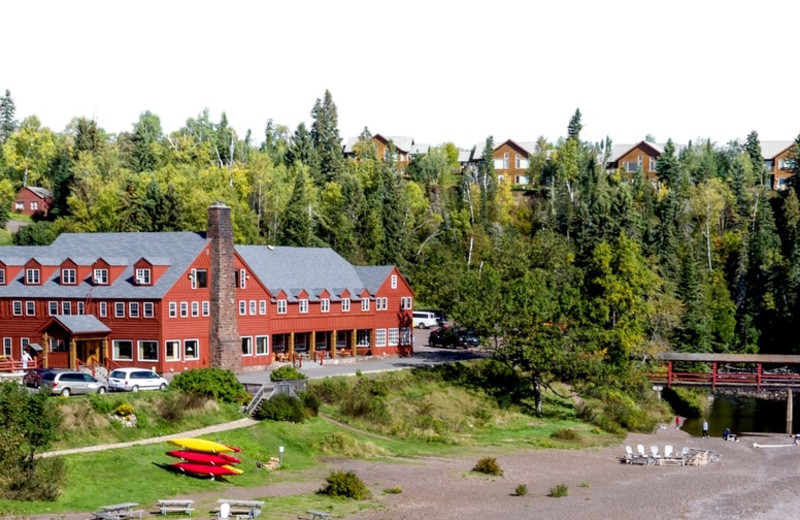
x=303 y=306
x=101 y=276
x=68 y=277
x=346 y=305
x=281 y=306
x=32 y=276
x=143 y=277
x=2 y=276
x=364 y=304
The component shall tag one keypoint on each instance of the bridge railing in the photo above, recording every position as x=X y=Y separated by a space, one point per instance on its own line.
x=756 y=379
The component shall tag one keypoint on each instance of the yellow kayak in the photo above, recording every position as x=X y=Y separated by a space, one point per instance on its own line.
x=235 y=471
x=201 y=445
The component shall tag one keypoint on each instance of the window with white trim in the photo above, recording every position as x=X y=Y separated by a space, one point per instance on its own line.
x=191 y=349
x=653 y=163
x=148 y=350
x=405 y=336
x=81 y=308
x=362 y=338
x=122 y=350
x=172 y=350
x=148 y=311
x=52 y=308
x=7 y=347
x=16 y=308
x=394 y=281
x=103 y=309
x=143 y=277
x=119 y=309
x=24 y=343
x=262 y=345
x=324 y=305
x=206 y=308
x=247 y=346
x=199 y=278
x=184 y=309
x=173 y=309
x=133 y=310
x=66 y=308
x=242 y=279
x=406 y=303
x=380 y=337
x=345 y=304
x=281 y=306
x=262 y=307
x=195 y=309
x=253 y=304
x=394 y=337
x=68 y=277
x=242 y=307
x=30 y=308
x=303 y=306
x=365 y=304
x=101 y=276
x=32 y=276
x=2 y=276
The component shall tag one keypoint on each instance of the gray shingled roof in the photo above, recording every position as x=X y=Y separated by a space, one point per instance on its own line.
x=177 y=249
x=417 y=149
x=771 y=149
x=404 y=144
x=42 y=192
x=619 y=150
x=373 y=276
x=81 y=324
x=293 y=269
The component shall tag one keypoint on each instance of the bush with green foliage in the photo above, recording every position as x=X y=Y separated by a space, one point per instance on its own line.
x=101 y=404
x=488 y=466
x=282 y=407
x=345 y=484
x=566 y=434
x=310 y=401
x=124 y=410
x=286 y=373
x=521 y=490
x=174 y=405
x=216 y=383
x=559 y=491
x=394 y=490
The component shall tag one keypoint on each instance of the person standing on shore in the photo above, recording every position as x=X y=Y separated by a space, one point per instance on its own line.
x=705 y=428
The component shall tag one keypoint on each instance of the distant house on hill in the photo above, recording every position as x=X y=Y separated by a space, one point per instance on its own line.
x=642 y=156
x=405 y=148
x=511 y=159
x=33 y=201
x=779 y=162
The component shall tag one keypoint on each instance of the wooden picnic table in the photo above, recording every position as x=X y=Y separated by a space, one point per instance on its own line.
x=250 y=507
x=118 y=511
x=317 y=515
x=185 y=505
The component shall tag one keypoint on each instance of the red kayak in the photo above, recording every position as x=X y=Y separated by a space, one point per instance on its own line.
x=205 y=469
x=200 y=457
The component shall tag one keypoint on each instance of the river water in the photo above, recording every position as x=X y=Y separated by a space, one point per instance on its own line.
x=744 y=414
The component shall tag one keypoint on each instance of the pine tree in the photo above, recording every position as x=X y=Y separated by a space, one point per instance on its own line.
x=146 y=134
x=328 y=144
x=296 y=226
x=7 y=122
x=753 y=149
x=668 y=167
x=574 y=128
x=301 y=148
x=487 y=182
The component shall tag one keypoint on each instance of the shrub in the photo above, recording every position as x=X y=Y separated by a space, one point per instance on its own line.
x=488 y=466
x=566 y=434
x=282 y=407
x=101 y=404
x=559 y=491
x=310 y=402
x=174 y=405
x=124 y=410
x=394 y=490
x=42 y=484
x=344 y=484
x=521 y=490
x=216 y=383
x=341 y=444
x=286 y=372
x=331 y=390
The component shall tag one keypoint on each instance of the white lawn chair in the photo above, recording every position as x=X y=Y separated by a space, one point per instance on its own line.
x=654 y=451
x=668 y=451
x=629 y=455
x=640 y=450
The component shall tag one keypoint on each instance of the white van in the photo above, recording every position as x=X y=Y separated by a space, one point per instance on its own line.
x=425 y=319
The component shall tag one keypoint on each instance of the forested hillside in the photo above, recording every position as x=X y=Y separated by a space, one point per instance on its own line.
x=585 y=269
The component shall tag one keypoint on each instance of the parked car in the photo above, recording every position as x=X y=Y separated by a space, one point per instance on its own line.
x=33 y=377
x=468 y=338
x=70 y=382
x=444 y=337
x=135 y=379
x=425 y=319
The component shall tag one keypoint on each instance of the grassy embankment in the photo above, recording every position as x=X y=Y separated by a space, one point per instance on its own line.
x=440 y=411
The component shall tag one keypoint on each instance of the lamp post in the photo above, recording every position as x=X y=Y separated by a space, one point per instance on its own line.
x=280 y=449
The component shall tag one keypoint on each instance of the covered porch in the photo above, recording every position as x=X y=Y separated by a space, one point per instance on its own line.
x=317 y=345
x=71 y=341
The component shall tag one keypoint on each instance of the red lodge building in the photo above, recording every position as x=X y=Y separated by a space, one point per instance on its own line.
x=176 y=301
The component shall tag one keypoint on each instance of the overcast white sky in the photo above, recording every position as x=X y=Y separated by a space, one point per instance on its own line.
x=435 y=71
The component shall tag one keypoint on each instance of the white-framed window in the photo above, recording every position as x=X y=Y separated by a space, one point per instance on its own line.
x=405 y=336
x=30 y=308
x=362 y=338
x=364 y=304
x=81 y=308
x=195 y=309
x=303 y=306
x=325 y=305
x=406 y=303
x=143 y=277
x=66 y=308
x=2 y=276
x=148 y=310
x=32 y=276
x=382 y=303
x=262 y=307
x=206 y=308
x=262 y=345
x=173 y=309
x=23 y=344
x=247 y=345
x=394 y=337
x=345 y=304
x=16 y=307
x=122 y=350
x=103 y=309
x=68 y=277
x=630 y=166
x=505 y=161
x=653 y=164
x=199 y=278
x=148 y=350
x=380 y=337
x=521 y=179
x=133 y=310
x=191 y=349
x=7 y=347
x=101 y=276
x=394 y=281
x=242 y=307
x=52 y=308
x=19 y=206
x=184 y=309
x=242 y=279
x=253 y=304
x=281 y=306
x=34 y=206
x=172 y=350
x=119 y=309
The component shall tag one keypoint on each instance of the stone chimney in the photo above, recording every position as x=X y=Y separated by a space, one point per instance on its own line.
x=224 y=345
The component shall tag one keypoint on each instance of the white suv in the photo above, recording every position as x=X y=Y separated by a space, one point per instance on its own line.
x=135 y=379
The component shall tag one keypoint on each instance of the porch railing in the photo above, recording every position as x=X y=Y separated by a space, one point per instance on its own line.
x=12 y=365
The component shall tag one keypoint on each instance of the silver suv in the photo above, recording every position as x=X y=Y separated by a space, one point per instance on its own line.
x=71 y=382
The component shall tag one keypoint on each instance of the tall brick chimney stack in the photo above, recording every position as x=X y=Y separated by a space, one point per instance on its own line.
x=224 y=345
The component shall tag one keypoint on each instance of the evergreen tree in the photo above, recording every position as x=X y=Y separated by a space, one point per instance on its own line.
x=694 y=334
x=297 y=225
x=301 y=149
x=668 y=167
x=325 y=136
x=487 y=182
x=753 y=149
x=146 y=134
x=574 y=128
x=7 y=122
x=88 y=136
